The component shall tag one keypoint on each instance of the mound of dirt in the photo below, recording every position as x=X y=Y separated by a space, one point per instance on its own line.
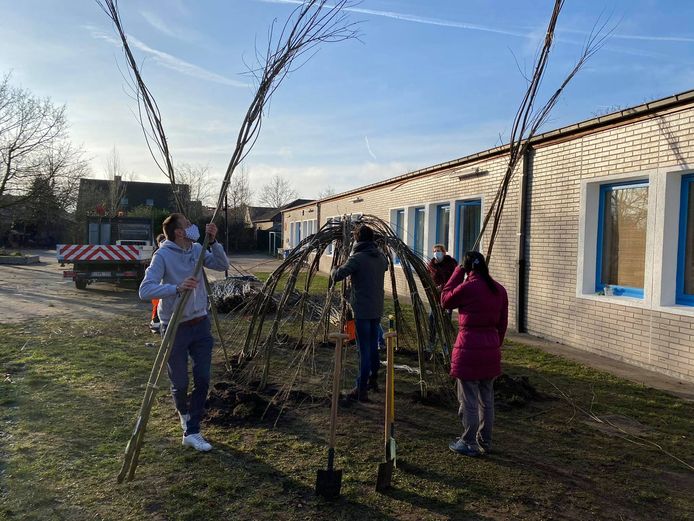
x=515 y=391
x=229 y=404
x=509 y=392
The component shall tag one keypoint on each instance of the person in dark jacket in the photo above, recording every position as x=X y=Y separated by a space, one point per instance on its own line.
x=366 y=267
x=476 y=361
x=441 y=267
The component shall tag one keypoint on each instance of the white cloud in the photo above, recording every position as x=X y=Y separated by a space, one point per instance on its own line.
x=419 y=19
x=169 y=61
x=172 y=30
x=159 y=24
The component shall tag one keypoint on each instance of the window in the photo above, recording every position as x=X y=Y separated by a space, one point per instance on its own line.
x=468 y=217
x=398 y=226
x=443 y=220
x=149 y=202
x=297 y=231
x=419 y=214
x=685 y=248
x=330 y=248
x=621 y=242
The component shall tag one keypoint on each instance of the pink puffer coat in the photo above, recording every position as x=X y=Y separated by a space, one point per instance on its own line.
x=482 y=322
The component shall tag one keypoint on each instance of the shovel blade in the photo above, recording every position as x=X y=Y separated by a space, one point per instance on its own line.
x=391 y=451
x=328 y=483
x=385 y=475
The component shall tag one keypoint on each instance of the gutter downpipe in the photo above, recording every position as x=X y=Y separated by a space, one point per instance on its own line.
x=524 y=210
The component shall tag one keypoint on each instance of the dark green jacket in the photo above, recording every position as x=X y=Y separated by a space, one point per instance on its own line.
x=366 y=266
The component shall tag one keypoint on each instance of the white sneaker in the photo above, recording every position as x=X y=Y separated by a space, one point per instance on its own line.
x=197 y=442
x=184 y=420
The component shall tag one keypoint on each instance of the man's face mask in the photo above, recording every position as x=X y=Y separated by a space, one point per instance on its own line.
x=438 y=255
x=192 y=233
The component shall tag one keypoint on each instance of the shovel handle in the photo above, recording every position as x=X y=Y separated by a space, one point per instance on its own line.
x=390 y=384
x=338 y=338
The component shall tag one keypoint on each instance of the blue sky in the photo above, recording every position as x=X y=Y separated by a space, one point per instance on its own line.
x=429 y=81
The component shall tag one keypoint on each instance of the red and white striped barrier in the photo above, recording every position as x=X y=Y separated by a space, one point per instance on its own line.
x=102 y=252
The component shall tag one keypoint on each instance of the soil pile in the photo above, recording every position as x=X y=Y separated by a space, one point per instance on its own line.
x=229 y=404
x=515 y=391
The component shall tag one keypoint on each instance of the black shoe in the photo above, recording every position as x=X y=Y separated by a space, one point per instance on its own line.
x=373 y=384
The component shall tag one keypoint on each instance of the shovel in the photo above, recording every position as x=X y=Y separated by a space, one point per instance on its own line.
x=385 y=469
x=329 y=481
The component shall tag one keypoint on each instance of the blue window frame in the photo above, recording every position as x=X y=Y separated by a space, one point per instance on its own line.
x=621 y=243
x=297 y=229
x=685 y=246
x=398 y=226
x=443 y=222
x=468 y=219
x=329 y=249
x=419 y=214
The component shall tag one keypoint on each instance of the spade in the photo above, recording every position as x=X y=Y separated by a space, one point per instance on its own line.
x=385 y=469
x=329 y=481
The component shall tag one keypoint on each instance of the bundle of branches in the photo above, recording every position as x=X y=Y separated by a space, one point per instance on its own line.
x=528 y=119
x=234 y=292
x=311 y=24
x=306 y=258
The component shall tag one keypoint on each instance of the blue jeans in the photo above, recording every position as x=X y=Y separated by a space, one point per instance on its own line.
x=194 y=341
x=367 y=340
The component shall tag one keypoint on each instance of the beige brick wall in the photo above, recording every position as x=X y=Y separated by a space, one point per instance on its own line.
x=650 y=338
x=440 y=187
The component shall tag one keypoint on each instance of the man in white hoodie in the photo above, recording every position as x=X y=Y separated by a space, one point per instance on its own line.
x=168 y=275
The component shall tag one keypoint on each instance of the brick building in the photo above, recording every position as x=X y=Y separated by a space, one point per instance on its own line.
x=596 y=245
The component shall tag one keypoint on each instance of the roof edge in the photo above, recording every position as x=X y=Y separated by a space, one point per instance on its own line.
x=592 y=124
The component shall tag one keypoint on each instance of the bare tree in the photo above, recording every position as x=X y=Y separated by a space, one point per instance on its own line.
x=277 y=192
x=65 y=165
x=118 y=179
x=200 y=191
x=29 y=126
x=240 y=195
x=326 y=192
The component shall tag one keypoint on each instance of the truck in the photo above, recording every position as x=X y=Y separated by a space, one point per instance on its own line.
x=114 y=250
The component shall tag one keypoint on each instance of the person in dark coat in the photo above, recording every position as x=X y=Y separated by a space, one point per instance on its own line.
x=366 y=267
x=482 y=305
x=441 y=267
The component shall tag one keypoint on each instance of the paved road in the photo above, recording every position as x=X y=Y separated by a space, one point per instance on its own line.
x=38 y=291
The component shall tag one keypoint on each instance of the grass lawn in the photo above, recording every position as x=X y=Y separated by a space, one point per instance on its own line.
x=71 y=391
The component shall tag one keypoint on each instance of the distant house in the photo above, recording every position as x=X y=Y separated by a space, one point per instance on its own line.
x=263 y=218
x=270 y=219
x=118 y=195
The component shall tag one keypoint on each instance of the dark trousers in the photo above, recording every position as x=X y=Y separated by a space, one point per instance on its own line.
x=432 y=330
x=194 y=341
x=367 y=340
x=476 y=410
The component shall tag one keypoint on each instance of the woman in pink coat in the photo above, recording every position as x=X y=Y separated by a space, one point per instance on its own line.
x=482 y=306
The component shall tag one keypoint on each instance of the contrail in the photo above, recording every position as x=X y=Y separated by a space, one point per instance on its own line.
x=368 y=147
x=169 y=61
